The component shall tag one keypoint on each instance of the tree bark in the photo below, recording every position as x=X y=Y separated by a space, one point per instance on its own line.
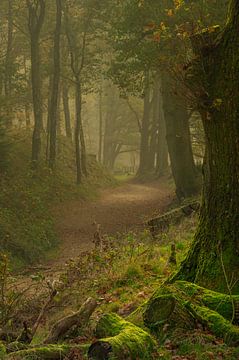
x=55 y=87
x=179 y=142
x=213 y=258
x=35 y=23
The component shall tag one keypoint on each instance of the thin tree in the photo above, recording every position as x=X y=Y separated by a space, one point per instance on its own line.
x=67 y=114
x=100 y=124
x=145 y=131
x=53 y=113
x=77 y=65
x=36 y=14
x=9 y=62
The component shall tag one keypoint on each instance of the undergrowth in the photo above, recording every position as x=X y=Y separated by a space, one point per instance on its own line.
x=121 y=273
x=26 y=225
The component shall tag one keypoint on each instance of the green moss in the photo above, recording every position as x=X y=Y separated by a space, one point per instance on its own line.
x=222 y=303
x=218 y=324
x=50 y=352
x=2 y=351
x=191 y=303
x=127 y=340
x=136 y=317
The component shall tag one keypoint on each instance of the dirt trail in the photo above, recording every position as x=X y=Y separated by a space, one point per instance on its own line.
x=119 y=209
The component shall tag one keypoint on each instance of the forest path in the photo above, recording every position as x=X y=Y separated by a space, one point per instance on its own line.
x=118 y=209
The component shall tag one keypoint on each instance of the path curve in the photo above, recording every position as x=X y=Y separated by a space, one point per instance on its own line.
x=120 y=209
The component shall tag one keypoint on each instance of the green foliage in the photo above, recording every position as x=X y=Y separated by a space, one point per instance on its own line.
x=26 y=226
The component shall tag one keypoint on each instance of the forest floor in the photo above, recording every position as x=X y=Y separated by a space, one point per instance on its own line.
x=120 y=209
x=121 y=277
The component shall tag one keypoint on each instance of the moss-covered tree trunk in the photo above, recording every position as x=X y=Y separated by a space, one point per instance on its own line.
x=214 y=255
x=179 y=141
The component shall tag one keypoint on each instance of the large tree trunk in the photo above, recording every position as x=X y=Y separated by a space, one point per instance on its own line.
x=179 y=142
x=35 y=22
x=214 y=256
x=55 y=87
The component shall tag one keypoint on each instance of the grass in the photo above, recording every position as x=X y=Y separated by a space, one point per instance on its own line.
x=122 y=277
x=125 y=275
x=127 y=272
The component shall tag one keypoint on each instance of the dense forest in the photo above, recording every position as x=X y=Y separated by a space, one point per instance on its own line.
x=119 y=173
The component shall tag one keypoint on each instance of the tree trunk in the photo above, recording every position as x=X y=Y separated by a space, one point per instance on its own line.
x=55 y=87
x=77 y=132
x=83 y=149
x=9 y=63
x=179 y=142
x=35 y=22
x=100 y=126
x=214 y=255
x=153 y=132
x=144 y=141
x=109 y=128
x=65 y=99
x=162 y=147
